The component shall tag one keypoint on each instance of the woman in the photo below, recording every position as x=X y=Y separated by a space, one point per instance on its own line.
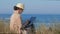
x=15 y=20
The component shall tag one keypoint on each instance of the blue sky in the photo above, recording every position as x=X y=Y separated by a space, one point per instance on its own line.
x=31 y=6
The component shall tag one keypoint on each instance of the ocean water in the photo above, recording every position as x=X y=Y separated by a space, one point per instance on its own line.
x=45 y=19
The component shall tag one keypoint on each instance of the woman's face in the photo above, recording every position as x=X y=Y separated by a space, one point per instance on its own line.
x=20 y=11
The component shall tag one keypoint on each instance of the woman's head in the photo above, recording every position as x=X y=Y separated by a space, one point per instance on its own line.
x=19 y=7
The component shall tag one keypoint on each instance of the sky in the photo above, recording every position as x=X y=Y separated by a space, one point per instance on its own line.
x=31 y=6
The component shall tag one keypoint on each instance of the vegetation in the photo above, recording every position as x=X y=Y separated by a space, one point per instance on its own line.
x=4 y=28
x=52 y=29
x=42 y=29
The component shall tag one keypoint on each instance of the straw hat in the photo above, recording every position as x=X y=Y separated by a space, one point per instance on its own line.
x=20 y=5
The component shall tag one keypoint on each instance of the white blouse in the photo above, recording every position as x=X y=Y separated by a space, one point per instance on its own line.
x=15 y=22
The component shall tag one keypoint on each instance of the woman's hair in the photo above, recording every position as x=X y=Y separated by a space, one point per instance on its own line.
x=16 y=8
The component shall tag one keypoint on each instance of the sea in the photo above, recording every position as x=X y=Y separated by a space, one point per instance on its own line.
x=46 y=19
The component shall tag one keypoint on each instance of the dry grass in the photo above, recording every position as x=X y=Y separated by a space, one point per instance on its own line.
x=54 y=29
x=4 y=28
